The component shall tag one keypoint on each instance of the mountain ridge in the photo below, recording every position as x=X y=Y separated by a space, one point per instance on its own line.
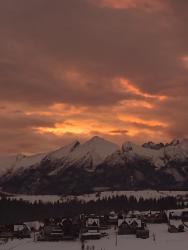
x=79 y=168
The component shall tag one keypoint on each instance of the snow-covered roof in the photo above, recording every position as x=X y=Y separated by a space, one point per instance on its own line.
x=176 y=223
x=91 y=221
x=129 y=221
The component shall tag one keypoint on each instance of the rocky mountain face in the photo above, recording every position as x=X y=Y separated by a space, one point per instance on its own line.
x=97 y=165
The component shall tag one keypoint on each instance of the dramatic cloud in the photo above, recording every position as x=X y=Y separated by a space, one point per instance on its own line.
x=147 y=5
x=73 y=69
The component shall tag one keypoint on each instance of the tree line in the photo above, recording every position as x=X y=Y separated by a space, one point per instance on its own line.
x=15 y=211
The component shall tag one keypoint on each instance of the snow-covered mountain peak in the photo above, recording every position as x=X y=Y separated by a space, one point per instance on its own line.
x=132 y=151
x=88 y=155
x=165 y=164
x=99 y=142
x=159 y=155
x=63 y=151
x=13 y=163
x=177 y=150
x=96 y=138
x=96 y=149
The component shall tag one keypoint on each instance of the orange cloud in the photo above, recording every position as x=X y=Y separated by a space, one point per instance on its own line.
x=138 y=104
x=134 y=119
x=60 y=129
x=184 y=59
x=122 y=119
x=57 y=109
x=127 y=86
x=76 y=127
x=126 y=4
x=119 y=4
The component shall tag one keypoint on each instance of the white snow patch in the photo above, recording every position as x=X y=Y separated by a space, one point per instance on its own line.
x=146 y=194
x=163 y=240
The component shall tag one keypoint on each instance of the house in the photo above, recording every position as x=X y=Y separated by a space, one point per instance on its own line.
x=59 y=230
x=93 y=223
x=6 y=232
x=133 y=226
x=175 y=215
x=129 y=226
x=175 y=226
x=51 y=233
x=34 y=225
x=70 y=229
x=156 y=217
x=22 y=231
x=91 y=229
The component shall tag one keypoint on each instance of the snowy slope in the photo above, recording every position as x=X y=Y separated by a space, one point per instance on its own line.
x=163 y=241
x=177 y=150
x=6 y=162
x=16 y=162
x=98 y=163
x=159 y=155
x=89 y=154
x=63 y=151
x=145 y=194
x=132 y=151
x=94 y=150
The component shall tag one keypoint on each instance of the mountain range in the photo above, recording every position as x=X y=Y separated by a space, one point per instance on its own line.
x=97 y=165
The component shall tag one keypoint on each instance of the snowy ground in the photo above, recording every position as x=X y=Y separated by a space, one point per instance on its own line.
x=146 y=194
x=164 y=241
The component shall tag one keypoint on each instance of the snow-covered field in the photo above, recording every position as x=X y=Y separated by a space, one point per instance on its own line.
x=146 y=194
x=164 y=241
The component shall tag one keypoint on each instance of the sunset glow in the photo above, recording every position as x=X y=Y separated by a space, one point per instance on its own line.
x=136 y=91
x=112 y=68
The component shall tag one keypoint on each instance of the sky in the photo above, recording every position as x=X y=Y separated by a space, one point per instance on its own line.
x=73 y=69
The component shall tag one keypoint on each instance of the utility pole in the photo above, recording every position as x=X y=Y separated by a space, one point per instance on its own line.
x=116 y=238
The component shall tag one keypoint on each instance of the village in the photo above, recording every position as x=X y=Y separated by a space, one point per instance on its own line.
x=87 y=231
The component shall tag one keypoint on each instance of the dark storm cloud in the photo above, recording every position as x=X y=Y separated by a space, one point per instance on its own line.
x=67 y=51
x=21 y=121
x=132 y=43
x=26 y=141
